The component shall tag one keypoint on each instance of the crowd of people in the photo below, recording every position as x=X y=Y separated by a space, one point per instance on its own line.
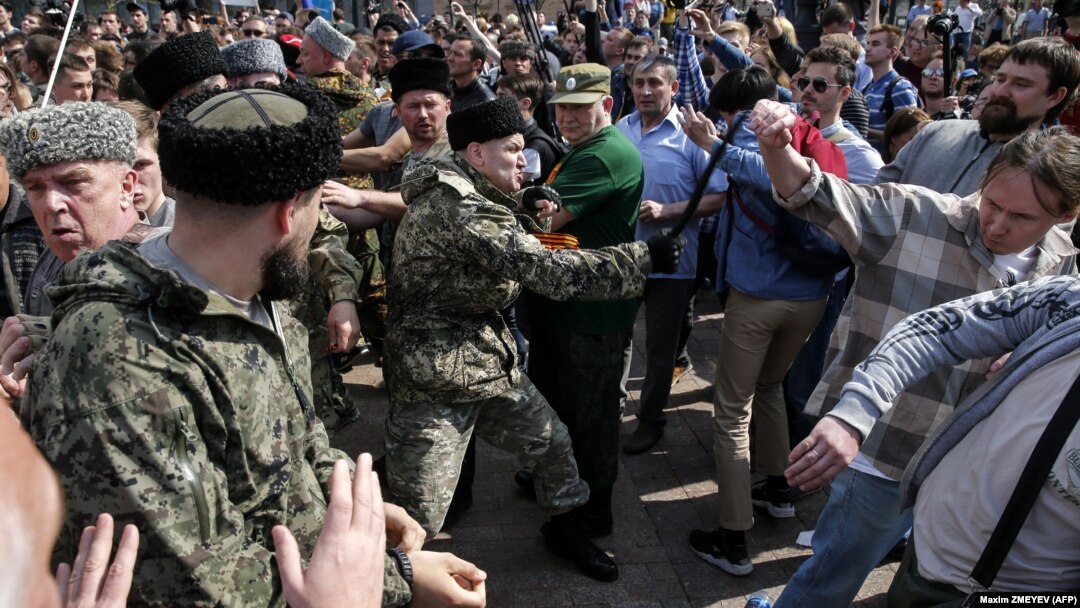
x=204 y=221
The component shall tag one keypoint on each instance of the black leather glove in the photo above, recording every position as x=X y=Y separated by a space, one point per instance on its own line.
x=534 y=194
x=665 y=251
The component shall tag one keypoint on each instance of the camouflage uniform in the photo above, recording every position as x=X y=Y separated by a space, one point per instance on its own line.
x=335 y=277
x=160 y=404
x=459 y=257
x=354 y=100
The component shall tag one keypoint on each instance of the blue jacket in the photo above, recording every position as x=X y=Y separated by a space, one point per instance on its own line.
x=747 y=257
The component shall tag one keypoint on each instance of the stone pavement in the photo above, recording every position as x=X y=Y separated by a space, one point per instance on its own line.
x=659 y=498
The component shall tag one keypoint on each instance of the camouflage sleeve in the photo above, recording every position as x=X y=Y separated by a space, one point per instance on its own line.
x=396 y=591
x=122 y=431
x=489 y=235
x=336 y=270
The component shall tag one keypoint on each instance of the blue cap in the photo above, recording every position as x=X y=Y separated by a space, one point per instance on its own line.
x=968 y=73
x=135 y=6
x=413 y=40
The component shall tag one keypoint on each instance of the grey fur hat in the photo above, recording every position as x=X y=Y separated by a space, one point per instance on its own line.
x=67 y=132
x=337 y=44
x=254 y=55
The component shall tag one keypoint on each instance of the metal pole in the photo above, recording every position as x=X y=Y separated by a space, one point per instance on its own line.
x=60 y=53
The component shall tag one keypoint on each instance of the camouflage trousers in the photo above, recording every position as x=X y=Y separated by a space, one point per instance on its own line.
x=581 y=375
x=425 y=443
x=328 y=388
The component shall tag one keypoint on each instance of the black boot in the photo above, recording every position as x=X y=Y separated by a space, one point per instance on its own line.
x=564 y=535
x=596 y=518
x=524 y=480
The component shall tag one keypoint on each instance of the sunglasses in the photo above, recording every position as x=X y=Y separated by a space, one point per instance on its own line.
x=254 y=33
x=933 y=73
x=820 y=84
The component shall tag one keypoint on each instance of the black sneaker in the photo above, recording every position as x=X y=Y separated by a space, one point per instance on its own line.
x=713 y=548
x=777 y=502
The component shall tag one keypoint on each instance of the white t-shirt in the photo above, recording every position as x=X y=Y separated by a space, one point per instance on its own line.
x=962 y=499
x=1016 y=266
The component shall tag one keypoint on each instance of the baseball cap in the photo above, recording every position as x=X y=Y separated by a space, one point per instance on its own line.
x=413 y=40
x=135 y=6
x=582 y=83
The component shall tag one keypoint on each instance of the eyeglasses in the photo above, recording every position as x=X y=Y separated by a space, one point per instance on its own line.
x=920 y=42
x=253 y=33
x=820 y=84
x=933 y=73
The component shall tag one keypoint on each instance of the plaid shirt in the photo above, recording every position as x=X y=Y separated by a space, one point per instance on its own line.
x=692 y=87
x=913 y=248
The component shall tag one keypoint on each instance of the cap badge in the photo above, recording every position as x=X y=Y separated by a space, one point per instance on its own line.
x=571 y=84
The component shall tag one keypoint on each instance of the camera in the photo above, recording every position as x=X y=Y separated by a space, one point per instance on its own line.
x=56 y=11
x=942 y=24
x=373 y=8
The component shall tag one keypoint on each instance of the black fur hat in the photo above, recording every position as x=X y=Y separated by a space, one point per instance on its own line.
x=217 y=144
x=484 y=122
x=392 y=20
x=422 y=73
x=179 y=62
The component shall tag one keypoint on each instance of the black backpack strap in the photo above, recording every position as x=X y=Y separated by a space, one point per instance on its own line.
x=887 y=105
x=1028 y=487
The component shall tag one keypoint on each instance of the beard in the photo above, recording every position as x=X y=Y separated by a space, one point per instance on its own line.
x=285 y=273
x=1000 y=117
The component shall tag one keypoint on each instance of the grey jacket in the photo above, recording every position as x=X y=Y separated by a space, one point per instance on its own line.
x=946 y=156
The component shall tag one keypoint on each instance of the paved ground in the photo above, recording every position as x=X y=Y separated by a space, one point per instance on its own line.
x=659 y=498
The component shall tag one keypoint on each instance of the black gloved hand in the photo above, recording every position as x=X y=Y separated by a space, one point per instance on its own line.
x=533 y=194
x=665 y=251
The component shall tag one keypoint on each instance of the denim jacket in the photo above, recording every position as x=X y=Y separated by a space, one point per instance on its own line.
x=747 y=257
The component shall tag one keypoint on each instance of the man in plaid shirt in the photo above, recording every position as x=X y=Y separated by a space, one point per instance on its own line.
x=914 y=249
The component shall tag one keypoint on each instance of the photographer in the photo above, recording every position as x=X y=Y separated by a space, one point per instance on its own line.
x=1001 y=22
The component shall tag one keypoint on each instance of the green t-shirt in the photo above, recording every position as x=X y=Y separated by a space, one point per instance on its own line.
x=600 y=182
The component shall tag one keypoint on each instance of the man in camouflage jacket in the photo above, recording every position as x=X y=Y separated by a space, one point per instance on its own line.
x=174 y=393
x=462 y=254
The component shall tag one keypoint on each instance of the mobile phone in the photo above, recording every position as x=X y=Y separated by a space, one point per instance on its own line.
x=679 y=4
x=765 y=9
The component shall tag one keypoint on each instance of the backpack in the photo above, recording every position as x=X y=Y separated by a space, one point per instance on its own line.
x=888 y=107
x=803 y=244
x=555 y=145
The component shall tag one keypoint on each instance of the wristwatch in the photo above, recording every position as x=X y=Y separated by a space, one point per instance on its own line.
x=404 y=564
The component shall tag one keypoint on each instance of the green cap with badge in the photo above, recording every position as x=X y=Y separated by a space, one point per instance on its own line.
x=583 y=83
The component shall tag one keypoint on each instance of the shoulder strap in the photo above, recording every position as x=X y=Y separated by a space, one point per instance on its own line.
x=887 y=105
x=758 y=221
x=137 y=233
x=839 y=136
x=1027 y=488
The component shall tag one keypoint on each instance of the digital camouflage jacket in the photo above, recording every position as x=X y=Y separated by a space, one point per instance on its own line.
x=462 y=253
x=156 y=402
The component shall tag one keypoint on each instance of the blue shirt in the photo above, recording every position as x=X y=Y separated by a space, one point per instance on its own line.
x=673 y=164
x=903 y=95
x=863 y=161
x=747 y=257
x=917 y=10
